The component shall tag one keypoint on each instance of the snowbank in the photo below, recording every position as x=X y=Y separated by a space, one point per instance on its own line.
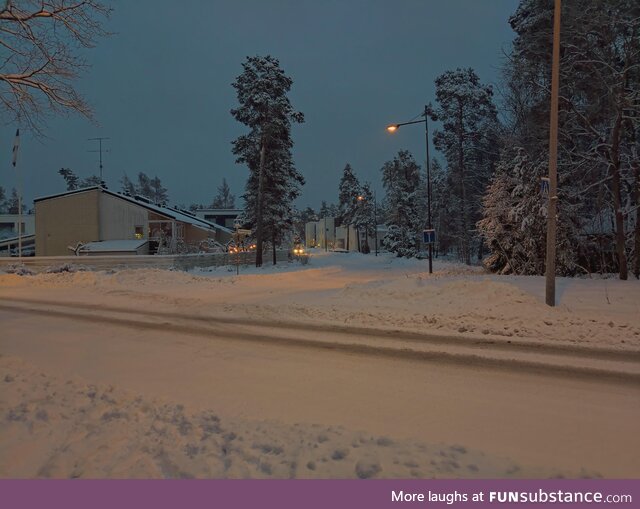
x=369 y=291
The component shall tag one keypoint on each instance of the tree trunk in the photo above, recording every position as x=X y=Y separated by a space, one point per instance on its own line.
x=614 y=171
x=466 y=248
x=273 y=247
x=636 y=191
x=259 y=219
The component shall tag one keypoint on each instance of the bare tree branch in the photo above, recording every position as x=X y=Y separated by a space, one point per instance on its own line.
x=43 y=39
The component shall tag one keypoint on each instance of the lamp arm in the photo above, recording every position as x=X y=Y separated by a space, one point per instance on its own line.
x=408 y=123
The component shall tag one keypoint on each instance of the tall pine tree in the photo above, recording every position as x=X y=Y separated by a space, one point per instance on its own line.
x=224 y=199
x=159 y=193
x=273 y=181
x=128 y=187
x=70 y=178
x=348 y=192
x=365 y=216
x=468 y=140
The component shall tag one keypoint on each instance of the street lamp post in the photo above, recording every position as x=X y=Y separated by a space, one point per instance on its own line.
x=360 y=200
x=394 y=127
x=326 y=234
x=375 y=219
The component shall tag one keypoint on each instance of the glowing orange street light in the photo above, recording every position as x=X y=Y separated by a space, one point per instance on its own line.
x=428 y=112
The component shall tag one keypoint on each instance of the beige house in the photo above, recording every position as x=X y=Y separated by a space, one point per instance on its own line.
x=95 y=214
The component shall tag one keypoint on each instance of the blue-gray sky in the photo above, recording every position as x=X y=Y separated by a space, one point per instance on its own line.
x=161 y=88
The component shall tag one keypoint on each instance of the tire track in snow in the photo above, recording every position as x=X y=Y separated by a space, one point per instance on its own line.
x=620 y=368
x=509 y=345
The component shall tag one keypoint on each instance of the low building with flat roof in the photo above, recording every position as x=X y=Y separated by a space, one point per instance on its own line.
x=9 y=225
x=222 y=217
x=94 y=214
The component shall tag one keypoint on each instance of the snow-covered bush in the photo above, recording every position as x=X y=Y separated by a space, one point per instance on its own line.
x=65 y=267
x=402 y=241
x=514 y=225
x=19 y=270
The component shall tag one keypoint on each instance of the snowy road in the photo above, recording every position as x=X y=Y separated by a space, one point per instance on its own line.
x=505 y=401
x=551 y=359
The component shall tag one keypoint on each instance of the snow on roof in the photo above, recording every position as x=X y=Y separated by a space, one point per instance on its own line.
x=114 y=245
x=67 y=193
x=13 y=240
x=170 y=212
x=218 y=211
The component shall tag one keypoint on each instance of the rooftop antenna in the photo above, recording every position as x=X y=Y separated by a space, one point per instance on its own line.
x=99 y=140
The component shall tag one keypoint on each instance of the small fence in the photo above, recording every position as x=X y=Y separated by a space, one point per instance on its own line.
x=178 y=262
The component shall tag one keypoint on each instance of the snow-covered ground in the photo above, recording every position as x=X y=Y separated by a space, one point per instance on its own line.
x=369 y=291
x=155 y=373
x=67 y=428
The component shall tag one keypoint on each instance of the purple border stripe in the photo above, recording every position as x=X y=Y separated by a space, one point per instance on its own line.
x=308 y=494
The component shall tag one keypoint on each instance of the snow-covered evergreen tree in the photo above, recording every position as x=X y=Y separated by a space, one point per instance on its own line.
x=468 y=140
x=144 y=185
x=599 y=118
x=224 y=199
x=93 y=180
x=159 y=193
x=128 y=187
x=300 y=219
x=324 y=210
x=348 y=192
x=13 y=203
x=364 y=219
x=74 y=182
x=273 y=182
x=443 y=208
x=401 y=180
x=70 y=178
x=515 y=219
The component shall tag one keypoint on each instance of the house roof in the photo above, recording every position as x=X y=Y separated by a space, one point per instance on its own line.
x=13 y=240
x=169 y=212
x=113 y=245
x=221 y=212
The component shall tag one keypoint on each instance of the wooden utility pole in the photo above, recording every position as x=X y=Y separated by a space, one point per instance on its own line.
x=550 y=292
x=428 y=166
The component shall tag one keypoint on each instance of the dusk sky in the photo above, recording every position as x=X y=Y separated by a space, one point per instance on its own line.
x=161 y=89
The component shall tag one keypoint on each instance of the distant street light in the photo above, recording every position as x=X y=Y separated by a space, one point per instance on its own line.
x=393 y=128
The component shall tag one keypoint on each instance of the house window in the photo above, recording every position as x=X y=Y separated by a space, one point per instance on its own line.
x=139 y=232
